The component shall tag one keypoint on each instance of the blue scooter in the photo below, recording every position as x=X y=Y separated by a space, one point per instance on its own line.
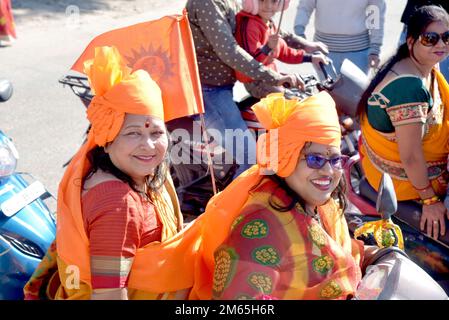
x=27 y=225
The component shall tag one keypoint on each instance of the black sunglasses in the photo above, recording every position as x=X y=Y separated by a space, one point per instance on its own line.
x=315 y=161
x=429 y=39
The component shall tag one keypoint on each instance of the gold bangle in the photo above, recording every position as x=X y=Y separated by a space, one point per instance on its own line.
x=423 y=189
x=430 y=201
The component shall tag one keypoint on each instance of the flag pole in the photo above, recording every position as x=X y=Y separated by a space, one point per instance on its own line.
x=209 y=158
x=278 y=28
x=282 y=15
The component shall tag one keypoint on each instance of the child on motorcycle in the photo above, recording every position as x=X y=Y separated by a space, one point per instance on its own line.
x=258 y=35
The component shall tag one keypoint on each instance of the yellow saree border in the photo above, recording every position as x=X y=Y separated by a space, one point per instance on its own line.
x=395 y=169
x=379 y=153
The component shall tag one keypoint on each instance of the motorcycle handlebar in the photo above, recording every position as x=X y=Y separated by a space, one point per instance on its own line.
x=324 y=71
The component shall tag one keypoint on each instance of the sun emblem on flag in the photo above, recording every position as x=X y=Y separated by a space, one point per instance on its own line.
x=153 y=60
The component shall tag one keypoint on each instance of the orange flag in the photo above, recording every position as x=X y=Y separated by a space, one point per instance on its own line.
x=165 y=49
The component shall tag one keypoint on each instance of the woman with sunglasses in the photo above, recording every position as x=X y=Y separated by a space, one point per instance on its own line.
x=278 y=231
x=404 y=114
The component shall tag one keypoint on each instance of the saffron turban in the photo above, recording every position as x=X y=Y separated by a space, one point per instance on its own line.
x=117 y=92
x=290 y=125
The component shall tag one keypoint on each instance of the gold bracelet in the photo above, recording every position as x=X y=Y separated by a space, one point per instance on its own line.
x=430 y=201
x=429 y=185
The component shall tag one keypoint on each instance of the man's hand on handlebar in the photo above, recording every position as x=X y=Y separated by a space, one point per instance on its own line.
x=291 y=81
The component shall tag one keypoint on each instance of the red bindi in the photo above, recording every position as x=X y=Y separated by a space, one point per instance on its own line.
x=147 y=124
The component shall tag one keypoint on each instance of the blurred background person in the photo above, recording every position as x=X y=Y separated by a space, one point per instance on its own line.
x=353 y=29
x=7 y=27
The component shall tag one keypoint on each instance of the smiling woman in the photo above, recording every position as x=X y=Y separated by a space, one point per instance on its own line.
x=317 y=174
x=278 y=231
x=404 y=114
x=116 y=197
x=138 y=154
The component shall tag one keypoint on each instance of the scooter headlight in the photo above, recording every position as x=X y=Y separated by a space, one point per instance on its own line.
x=8 y=156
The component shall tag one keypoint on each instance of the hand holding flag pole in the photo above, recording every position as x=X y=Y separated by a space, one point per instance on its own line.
x=277 y=31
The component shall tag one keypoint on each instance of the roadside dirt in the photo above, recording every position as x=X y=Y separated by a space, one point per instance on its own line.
x=40 y=12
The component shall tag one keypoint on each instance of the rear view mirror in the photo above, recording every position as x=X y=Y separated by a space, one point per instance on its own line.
x=348 y=89
x=5 y=90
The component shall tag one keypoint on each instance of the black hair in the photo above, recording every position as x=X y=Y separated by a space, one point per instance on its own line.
x=99 y=159
x=416 y=25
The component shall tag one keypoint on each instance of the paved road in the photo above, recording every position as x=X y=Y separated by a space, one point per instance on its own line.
x=47 y=121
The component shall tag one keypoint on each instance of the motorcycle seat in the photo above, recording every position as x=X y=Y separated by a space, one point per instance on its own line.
x=408 y=211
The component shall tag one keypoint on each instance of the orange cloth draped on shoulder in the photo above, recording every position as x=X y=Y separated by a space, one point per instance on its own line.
x=164 y=48
x=290 y=124
x=287 y=254
x=379 y=153
x=7 y=26
x=117 y=92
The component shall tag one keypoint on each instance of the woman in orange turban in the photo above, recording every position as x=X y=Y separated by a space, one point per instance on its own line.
x=116 y=197
x=278 y=231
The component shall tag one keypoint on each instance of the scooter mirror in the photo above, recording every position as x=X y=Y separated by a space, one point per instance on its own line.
x=349 y=87
x=386 y=203
x=5 y=90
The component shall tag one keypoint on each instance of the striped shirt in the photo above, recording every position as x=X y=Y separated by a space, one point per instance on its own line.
x=344 y=25
x=343 y=42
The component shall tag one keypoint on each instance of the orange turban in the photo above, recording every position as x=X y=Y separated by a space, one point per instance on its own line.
x=117 y=92
x=291 y=123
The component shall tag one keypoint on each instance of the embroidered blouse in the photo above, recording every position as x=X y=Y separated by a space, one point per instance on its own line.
x=403 y=100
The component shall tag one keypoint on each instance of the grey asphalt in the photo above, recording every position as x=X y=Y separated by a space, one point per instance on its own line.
x=47 y=121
